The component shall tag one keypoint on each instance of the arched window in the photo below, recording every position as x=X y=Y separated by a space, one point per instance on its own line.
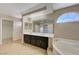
x=68 y=17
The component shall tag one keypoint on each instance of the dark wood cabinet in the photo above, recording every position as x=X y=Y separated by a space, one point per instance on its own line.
x=33 y=40
x=27 y=39
x=43 y=45
x=36 y=40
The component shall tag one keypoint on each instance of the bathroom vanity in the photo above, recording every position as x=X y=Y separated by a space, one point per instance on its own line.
x=36 y=40
x=38 y=32
x=38 y=27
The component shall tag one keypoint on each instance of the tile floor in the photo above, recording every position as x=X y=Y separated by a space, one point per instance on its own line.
x=17 y=48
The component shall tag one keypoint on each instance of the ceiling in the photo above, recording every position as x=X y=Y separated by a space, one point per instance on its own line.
x=15 y=9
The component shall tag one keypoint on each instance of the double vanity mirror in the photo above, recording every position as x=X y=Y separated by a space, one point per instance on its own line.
x=43 y=27
x=39 y=26
x=28 y=27
x=38 y=23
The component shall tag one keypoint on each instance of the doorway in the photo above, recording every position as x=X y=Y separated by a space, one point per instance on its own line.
x=7 y=31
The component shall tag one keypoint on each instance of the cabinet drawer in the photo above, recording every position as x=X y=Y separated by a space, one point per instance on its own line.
x=44 y=39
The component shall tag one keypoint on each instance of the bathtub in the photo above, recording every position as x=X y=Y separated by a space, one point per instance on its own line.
x=65 y=47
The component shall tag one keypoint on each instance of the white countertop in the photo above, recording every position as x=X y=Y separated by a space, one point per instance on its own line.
x=40 y=34
x=67 y=47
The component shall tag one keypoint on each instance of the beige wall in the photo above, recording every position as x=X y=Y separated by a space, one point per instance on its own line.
x=66 y=30
x=0 y=30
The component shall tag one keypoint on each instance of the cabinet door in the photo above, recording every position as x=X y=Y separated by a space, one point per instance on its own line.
x=26 y=38
x=38 y=42
x=33 y=40
x=44 y=44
